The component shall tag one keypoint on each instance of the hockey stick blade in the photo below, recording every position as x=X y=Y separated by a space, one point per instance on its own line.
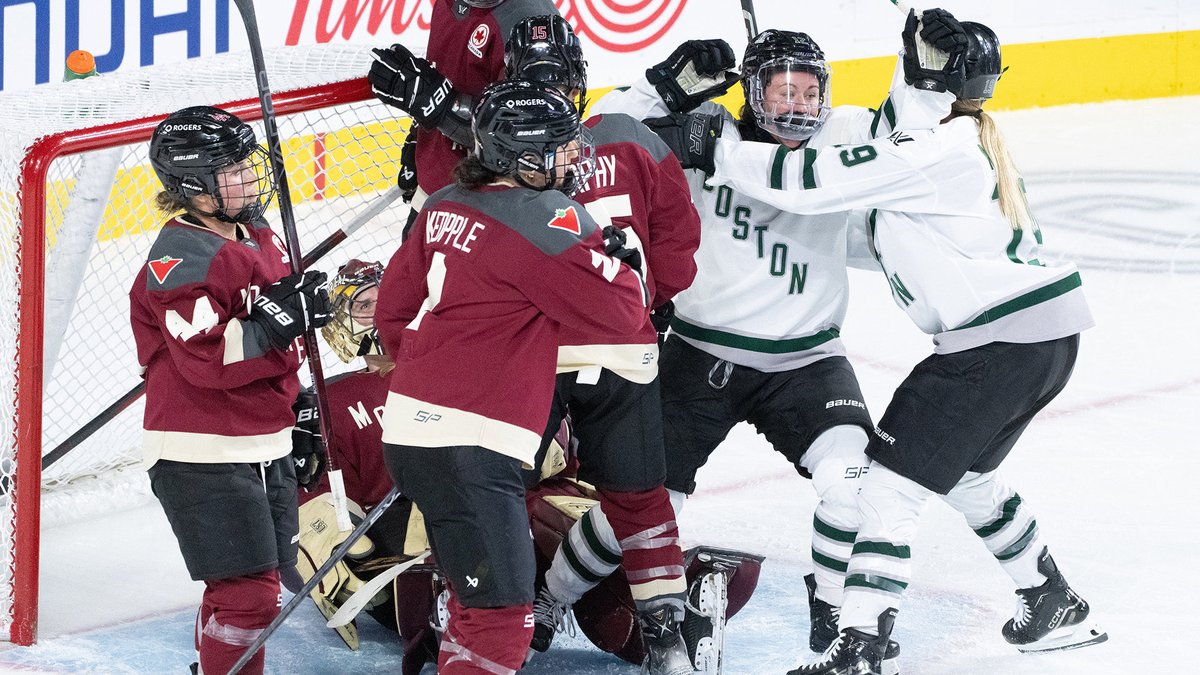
x=355 y=603
x=338 y=553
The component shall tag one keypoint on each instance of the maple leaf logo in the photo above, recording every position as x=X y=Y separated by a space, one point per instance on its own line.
x=162 y=267
x=566 y=219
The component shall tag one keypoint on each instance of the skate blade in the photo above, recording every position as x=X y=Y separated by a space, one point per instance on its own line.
x=1072 y=637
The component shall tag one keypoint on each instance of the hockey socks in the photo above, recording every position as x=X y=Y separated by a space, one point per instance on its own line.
x=233 y=612
x=491 y=641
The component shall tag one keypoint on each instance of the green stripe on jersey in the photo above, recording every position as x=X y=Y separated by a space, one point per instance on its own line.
x=1034 y=297
x=876 y=582
x=777 y=164
x=810 y=179
x=753 y=344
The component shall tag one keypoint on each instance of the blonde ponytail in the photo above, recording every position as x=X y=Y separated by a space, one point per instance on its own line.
x=1008 y=181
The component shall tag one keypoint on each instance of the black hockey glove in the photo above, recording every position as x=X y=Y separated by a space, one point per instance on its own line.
x=308 y=447
x=696 y=71
x=614 y=247
x=934 y=60
x=692 y=137
x=661 y=318
x=285 y=308
x=411 y=83
x=406 y=177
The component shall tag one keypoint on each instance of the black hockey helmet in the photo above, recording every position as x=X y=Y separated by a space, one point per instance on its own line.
x=522 y=126
x=194 y=150
x=482 y=4
x=983 y=68
x=774 y=52
x=545 y=49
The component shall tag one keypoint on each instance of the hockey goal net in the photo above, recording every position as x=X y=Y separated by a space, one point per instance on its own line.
x=76 y=191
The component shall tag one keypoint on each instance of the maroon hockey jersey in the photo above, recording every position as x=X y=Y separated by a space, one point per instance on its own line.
x=472 y=305
x=215 y=389
x=467 y=46
x=639 y=186
x=356 y=410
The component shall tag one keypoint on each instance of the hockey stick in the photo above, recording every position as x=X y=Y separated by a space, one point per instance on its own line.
x=356 y=602
x=902 y=6
x=377 y=206
x=275 y=151
x=338 y=553
x=750 y=18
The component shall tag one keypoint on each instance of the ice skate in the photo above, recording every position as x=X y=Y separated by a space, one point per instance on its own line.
x=1051 y=617
x=823 y=629
x=666 y=652
x=549 y=617
x=854 y=652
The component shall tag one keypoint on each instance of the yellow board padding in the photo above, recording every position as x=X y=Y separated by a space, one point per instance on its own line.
x=1041 y=74
x=356 y=159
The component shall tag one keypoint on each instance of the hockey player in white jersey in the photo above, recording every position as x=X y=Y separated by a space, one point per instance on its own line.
x=954 y=236
x=756 y=336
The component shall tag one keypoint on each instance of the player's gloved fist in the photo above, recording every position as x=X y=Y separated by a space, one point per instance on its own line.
x=308 y=446
x=408 y=82
x=614 y=247
x=934 y=52
x=692 y=137
x=696 y=71
x=285 y=308
x=406 y=177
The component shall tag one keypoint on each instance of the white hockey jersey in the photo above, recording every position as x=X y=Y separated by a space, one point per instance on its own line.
x=955 y=264
x=771 y=289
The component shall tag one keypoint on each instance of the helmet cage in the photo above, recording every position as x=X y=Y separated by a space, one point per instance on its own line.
x=346 y=335
x=791 y=118
x=565 y=167
x=192 y=151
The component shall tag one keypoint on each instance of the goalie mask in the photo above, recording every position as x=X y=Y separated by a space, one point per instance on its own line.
x=530 y=132
x=786 y=82
x=982 y=63
x=206 y=151
x=545 y=49
x=352 y=332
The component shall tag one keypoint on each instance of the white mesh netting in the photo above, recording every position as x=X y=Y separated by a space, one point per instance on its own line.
x=99 y=223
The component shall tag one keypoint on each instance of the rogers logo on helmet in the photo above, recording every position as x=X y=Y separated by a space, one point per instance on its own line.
x=524 y=102
x=181 y=127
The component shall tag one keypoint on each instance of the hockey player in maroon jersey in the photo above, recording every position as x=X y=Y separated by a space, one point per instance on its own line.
x=215 y=316
x=472 y=308
x=609 y=379
x=465 y=53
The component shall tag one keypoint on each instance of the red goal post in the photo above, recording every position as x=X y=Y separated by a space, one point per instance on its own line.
x=75 y=208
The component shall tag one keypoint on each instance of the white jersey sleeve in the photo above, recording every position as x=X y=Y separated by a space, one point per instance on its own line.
x=925 y=171
x=639 y=101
